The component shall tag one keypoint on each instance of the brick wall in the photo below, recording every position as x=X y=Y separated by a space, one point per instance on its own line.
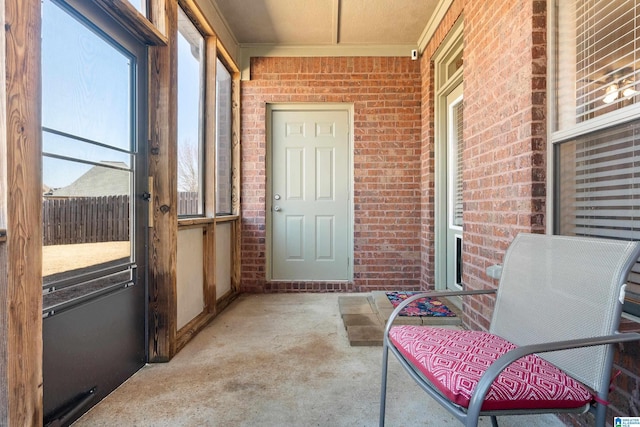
x=385 y=93
x=427 y=148
x=504 y=158
x=504 y=136
x=393 y=98
x=625 y=396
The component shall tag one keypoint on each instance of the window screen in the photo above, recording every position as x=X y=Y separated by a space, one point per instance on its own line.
x=190 y=118
x=223 y=140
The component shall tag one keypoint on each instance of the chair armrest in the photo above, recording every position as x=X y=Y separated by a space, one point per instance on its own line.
x=409 y=300
x=482 y=388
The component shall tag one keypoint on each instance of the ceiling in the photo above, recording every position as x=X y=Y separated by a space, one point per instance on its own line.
x=325 y=22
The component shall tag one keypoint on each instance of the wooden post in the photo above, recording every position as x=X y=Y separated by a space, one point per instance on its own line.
x=21 y=212
x=236 y=157
x=4 y=302
x=163 y=236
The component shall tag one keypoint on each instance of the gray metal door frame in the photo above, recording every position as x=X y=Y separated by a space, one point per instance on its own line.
x=93 y=344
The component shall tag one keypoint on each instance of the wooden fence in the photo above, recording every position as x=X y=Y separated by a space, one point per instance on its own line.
x=95 y=219
x=188 y=203
x=85 y=220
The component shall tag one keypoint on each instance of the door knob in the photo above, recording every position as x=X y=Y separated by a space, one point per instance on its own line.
x=276 y=208
x=277 y=197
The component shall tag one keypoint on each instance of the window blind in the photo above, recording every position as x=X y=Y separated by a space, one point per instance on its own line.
x=190 y=82
x=458 y=120
x=224 y=179
x=599 y=178
x=606 y=55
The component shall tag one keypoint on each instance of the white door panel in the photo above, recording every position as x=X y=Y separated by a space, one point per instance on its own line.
x=310 y=195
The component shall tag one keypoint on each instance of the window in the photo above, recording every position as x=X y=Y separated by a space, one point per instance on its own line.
x=596 y=125
x=90 y=159
x=597 y=59
x=223 y=140
x=190 y=118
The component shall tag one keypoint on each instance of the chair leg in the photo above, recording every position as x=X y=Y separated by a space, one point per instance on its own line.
x=494 y=421
x=601 y=414
x=383 y=383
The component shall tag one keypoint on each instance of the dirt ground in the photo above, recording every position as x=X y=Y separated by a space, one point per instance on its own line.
x=60 y=258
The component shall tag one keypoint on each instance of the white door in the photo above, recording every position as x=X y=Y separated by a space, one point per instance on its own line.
x=454 y=188
x=310 y=195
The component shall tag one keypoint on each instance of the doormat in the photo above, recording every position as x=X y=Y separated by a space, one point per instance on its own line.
x=424 y=307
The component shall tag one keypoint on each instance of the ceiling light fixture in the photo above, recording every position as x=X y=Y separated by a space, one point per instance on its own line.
x=610 y=93
x=628 y=88
x=622 y=86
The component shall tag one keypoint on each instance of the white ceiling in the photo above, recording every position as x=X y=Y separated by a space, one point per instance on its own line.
x=325 y=22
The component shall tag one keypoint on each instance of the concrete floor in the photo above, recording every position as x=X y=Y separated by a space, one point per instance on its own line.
x=275 y=360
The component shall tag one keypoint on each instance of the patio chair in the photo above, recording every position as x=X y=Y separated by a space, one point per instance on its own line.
x=555 y=293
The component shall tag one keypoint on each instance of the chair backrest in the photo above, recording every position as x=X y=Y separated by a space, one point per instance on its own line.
x=556 y=288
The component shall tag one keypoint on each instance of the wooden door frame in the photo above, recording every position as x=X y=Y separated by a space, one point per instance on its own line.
x=329 y=106
x=20 y=216
x=20 y=209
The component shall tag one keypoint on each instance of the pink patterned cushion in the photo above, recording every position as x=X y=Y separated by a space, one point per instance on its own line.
x=454 y=361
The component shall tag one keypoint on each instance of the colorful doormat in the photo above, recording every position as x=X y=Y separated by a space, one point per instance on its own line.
x=426 y=307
